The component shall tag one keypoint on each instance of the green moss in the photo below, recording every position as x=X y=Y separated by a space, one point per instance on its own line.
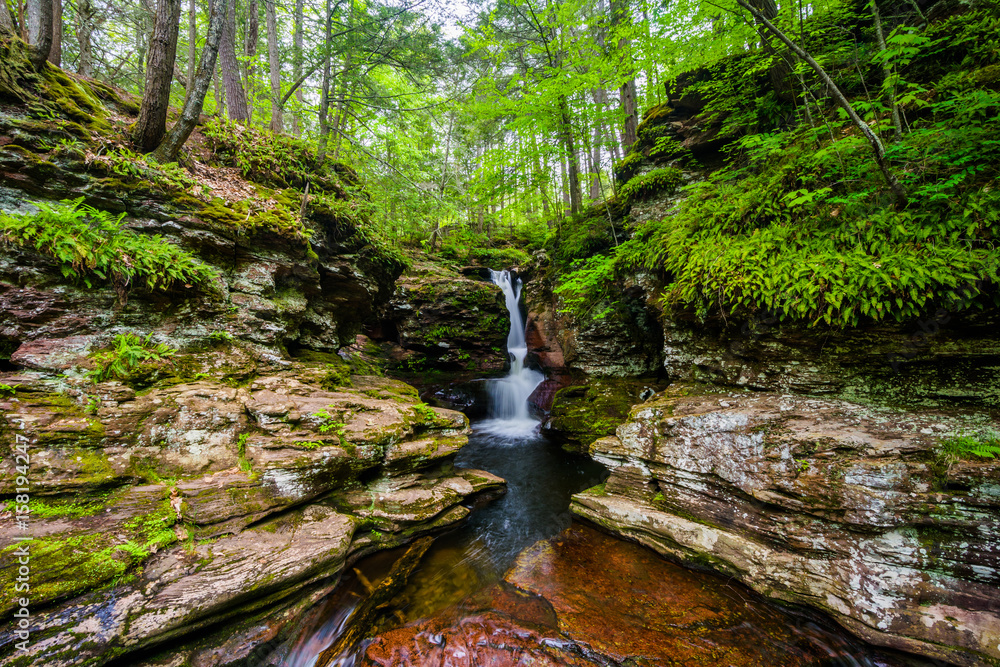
x=665 y=180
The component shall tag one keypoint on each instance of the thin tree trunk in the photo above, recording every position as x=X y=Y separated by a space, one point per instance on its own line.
x=324 y=100
x=152 y=123
x=890 y=94
x=236 y=97
x=6 y=20
x=569 y=145
x=39 y=21
x=626 y=93
x=564 y=180
x=251 y=39
x=274 y=65
x=55 y=53
x=192 y=40
x=595 y=179
x=878 y=150
x=220 y=94
x=297 y=65
x=84 y=28
x=169 y=149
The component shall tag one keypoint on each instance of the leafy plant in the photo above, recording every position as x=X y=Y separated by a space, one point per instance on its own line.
x=128 y=351
x=94 y=246
x=983 y=445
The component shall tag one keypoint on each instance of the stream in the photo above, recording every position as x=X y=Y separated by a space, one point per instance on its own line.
x=666 y=613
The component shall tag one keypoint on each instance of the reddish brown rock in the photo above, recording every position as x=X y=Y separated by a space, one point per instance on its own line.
x=585 y=598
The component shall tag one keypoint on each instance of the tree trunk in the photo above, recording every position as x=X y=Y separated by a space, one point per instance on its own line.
x=274 y=65
x=236 y=97
x=39 y=21
x=324 y=99
x=626 y=93
x=192 y=40
x=878 y=150
x=887 y=73
x=569 y=145
x=152 y=124
x=55 y=53
x=84 y=28
x=297 y=65
x=251 y=38
x=197 y=87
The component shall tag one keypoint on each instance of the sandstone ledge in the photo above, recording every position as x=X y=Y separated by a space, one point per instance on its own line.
x=821 y=503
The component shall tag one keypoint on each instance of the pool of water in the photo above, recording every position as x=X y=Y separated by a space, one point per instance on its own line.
x=465 y=566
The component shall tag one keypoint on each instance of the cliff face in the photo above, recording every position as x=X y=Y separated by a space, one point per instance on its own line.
x=198 y=450
x=845 y=508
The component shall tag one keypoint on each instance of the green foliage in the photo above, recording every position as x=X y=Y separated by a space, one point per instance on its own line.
x=336 y=376
x=276 y=160
x=168 y=178
x=982 y=445
x=8 y=390
x=327 y=422
x=127 y=353
x=626 y=167
x=799 y=222
x=241 y=452
x=499 y=258
x=220 y=337
x=92 y=245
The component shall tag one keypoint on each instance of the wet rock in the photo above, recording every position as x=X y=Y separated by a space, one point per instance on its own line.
x=626 y=342
x=441 y=319
x=817 y=502
x=198 y=501
x=584 y=598
x=582 y=413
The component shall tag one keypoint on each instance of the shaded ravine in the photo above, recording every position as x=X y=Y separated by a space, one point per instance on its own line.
x=600 y=597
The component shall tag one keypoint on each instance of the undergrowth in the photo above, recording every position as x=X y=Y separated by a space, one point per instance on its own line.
x=94 y=246
x=799 y=222
x=127 y=353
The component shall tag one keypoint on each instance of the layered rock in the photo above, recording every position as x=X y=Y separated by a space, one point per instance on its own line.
x=627 y=342
x=162 y=512
x=441 y=319
x=850 y=510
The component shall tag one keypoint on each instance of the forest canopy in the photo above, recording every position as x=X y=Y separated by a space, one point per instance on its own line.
x=850 y=175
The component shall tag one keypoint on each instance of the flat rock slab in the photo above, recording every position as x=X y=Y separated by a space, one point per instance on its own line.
x=824 y=503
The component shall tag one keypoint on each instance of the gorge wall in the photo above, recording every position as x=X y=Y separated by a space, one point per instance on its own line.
x=202 y=464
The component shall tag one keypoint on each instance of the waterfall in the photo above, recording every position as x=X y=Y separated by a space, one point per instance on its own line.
x=509 y=395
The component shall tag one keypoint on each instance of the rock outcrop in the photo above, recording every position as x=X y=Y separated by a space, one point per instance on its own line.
x=158 y=513
x=582 y=413
x=855 y=511
x=236 y=462
x=442 y=319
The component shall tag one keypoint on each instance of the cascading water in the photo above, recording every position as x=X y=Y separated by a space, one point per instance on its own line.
x=509 y=395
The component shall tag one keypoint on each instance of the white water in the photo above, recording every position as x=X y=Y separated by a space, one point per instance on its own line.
x=509 y=395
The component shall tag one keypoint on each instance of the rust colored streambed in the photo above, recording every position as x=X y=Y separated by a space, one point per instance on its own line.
x=521 y=584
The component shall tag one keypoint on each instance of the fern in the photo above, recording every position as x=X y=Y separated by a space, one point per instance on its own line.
x=128 y=352
x=93 y=246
